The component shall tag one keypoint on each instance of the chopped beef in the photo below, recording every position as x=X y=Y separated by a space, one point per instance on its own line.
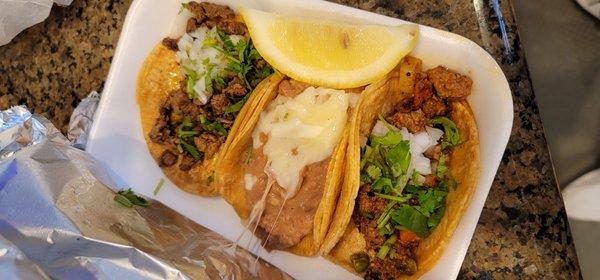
x=434 y=107
x=208 y=144
x=232 y=27
x=182 y=104
x=405 y=106
x=369 y=205
x=226 y=123
x=197 y=10
x=219 y=103
x=433 y=152
x=414 y=121
x=187 y=162
x=394 y=266
x=191 y=25
x=260 y=63
x=215 y=11
x=422 y=91
x=382 y=269
x=430 y=180
x=170 y=43
x=209 y=23
x=449 y=84
x=211 y=15
x=167 y=159
x=160 y=131
x=291 y=88
x=368 y=209
x=368 y=227
x=204 y=10
x=235 y=87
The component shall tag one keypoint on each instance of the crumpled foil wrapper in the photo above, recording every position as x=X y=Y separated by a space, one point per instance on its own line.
x=82 y=119
x=16 y=15
x=59 y=220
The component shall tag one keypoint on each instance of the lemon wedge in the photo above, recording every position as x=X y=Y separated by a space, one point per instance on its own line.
x=327 y=53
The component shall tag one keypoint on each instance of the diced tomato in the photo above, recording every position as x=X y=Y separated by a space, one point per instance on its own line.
x=408 y=236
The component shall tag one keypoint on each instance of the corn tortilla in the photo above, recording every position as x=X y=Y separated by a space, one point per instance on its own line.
x=343 y=238
x=233 y=175
x=159 y=75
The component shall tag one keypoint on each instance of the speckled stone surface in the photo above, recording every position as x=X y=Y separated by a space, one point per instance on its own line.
x=523 y=232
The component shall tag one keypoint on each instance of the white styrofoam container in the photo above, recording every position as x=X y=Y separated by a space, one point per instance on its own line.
x=116 y=137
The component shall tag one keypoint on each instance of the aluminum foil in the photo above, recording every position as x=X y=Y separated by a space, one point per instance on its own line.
x=59 y=219
x=82 y=119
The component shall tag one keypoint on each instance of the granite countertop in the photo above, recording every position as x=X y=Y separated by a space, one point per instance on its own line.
x=523 y=231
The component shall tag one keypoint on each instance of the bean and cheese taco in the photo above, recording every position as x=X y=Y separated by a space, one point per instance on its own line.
x=411 y=169
x=195 y=92
x=284 y=170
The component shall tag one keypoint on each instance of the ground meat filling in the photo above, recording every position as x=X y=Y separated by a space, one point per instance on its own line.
x=449 y=84
x=190 y=131
x=291 y=88
x=433 y=91
x=368 y=208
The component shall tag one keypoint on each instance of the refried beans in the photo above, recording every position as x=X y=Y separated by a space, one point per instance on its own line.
x=296 y=219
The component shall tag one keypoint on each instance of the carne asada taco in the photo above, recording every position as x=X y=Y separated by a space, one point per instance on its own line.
x=411 y=169
x=195 y=92
x=285 y=167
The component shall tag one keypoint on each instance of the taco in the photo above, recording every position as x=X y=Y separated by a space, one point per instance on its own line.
x=411 y=169
x=284 y=170
x=195 y=92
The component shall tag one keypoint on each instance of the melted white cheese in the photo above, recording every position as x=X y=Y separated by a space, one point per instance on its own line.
x=301 y=131
x=249 y=181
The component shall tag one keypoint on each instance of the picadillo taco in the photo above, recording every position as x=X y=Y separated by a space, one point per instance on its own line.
x=411 y=169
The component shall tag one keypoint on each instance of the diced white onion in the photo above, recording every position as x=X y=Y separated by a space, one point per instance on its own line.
x=419 y=143
x=379 y=129
x=194 y=56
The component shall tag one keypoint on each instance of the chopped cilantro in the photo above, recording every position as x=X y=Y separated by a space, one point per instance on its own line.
x=191 y=149
x=451 y=134
x=393 y=198
x=398 y=158
x=374 y=172
x=237 y=106
x=415 y=178
x=441 y=167
x=159 y=186
x=189 y=88
x=387 y=245
x=128 y=198
x=186 y=133
x=435 y=218
x=411 y=219
x=391 y=138
x=382 y=185
x=212 y=126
